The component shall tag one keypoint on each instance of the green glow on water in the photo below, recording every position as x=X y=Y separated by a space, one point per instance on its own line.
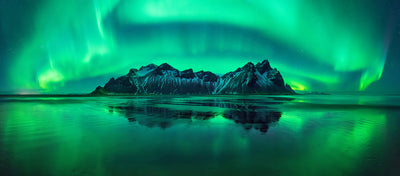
x=314 y=135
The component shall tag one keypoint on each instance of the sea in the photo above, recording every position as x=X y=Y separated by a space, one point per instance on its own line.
x=200 y=135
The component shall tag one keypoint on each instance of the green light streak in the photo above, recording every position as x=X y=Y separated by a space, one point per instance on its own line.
x=297 y=86
x=341 y=36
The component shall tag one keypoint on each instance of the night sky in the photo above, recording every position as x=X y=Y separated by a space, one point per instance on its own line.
x=64 y=46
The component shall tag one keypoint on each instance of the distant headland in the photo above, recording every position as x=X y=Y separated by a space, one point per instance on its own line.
x=164 y=79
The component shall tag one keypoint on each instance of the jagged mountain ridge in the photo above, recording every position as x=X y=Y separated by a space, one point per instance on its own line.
x=165 y=79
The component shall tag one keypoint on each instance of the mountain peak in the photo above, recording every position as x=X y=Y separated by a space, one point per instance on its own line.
x=248 y=66
x=148 y=67
x=166 y=66
x=263 y=66
x=188 y=74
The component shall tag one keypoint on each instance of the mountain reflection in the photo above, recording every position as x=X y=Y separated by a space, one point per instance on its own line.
x=258 y=119
x=249 y=114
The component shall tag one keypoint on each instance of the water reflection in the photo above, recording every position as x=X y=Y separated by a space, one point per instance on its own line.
x=253 y=119
x=164 y=113
x=200 y=135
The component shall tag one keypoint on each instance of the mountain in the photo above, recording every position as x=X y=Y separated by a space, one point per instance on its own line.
x=165 y=79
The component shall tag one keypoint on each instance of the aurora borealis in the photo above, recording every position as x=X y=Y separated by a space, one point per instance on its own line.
x=53 y=45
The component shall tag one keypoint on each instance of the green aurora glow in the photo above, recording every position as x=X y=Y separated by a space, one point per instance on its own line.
x=321 y=45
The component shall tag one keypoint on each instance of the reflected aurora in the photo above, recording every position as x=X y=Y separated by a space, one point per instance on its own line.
x=314 y=136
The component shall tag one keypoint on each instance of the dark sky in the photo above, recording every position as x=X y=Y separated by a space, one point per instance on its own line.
x=62 y=46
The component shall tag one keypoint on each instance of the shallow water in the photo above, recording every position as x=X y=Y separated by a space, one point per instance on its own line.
x=221 y=135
